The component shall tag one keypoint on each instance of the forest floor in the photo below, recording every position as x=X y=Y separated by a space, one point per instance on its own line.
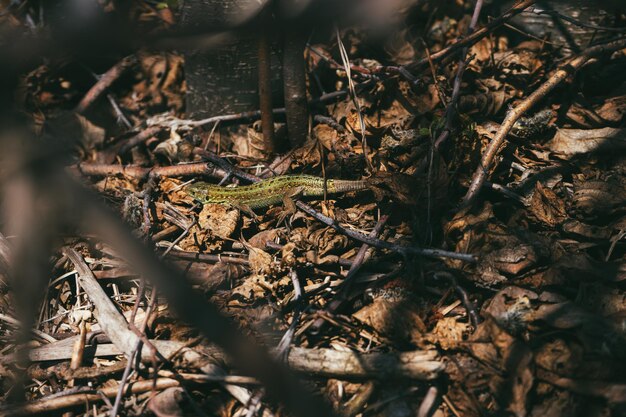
x=482 y=275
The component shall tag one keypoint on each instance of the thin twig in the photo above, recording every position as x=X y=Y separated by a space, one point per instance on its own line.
x=205 y=257
x=426 y=407
x=327 y=120
x=355 y=99
x=474 y=37
x=285 y=341
x=456 y=89
x=473 y=315
x=104 y=82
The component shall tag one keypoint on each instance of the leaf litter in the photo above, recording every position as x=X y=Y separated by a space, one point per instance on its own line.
x=548 y=230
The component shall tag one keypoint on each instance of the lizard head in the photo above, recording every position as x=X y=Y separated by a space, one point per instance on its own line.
x=199 y=191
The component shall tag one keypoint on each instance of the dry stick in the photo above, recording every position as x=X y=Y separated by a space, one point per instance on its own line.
x=45 y=405
x=382 y=244
x=327 y=120
x=255 y=114
x=473 y=38
x=335 y=65
x=555 y=79
x=120 y=118
x=343 y=294
x=107 y=79
x=111 y=320
x=355 y=405
x=135 y=171
x=554 y=13
x=78 y=350
x=130 y=363
x=141 y=137
x=418 y=364
x=426 y=407
x=285 y=341
x=178 y=239
x=204 y=257
x=467 y=303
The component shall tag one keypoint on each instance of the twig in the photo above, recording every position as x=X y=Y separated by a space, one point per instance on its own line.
x=111 y=320
x=364 y=72
x=513 y=115
x=251 y=115
x=382 y=244
x=221 y=163
x=105 y=81
x=419 y=364
x=426 y=407
x=141 y=137
x=576 y=22
x=178 y=239
x=131 y=362
x=47 y=405
x=205 y=257
x=467 y=303
x=329 y=121
x=135 y=171
x=120 y=118
x=285 y=341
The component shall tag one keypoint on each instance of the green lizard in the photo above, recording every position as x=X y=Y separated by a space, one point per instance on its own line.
x=272 y=191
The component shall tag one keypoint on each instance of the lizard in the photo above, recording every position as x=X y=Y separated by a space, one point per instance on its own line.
x=272 y=191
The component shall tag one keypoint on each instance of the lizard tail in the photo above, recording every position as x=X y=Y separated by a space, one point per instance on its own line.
x=343 y=186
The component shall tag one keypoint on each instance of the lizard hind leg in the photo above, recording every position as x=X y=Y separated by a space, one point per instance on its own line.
x=289 y=204
x=244 y=208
